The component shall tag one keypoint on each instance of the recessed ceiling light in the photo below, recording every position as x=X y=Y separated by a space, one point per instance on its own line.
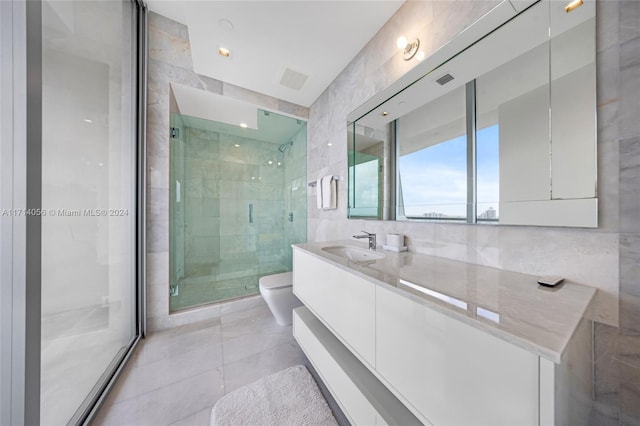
x=420 y=55
x=401 y=42
x=270 y=162
x=86 y=120
x=329 y=144
x=237 y=145
x=243 y=125
x=385 y=113
x=223 y=51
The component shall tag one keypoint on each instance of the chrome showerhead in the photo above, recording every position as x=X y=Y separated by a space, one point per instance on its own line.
x=282 y=148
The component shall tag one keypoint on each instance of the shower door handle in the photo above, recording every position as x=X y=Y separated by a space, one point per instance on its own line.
x=251 y=213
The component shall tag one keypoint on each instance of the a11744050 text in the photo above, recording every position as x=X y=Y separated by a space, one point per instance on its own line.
x=66 y=212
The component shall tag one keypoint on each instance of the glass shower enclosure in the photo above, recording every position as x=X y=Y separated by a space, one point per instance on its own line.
x=238 y=201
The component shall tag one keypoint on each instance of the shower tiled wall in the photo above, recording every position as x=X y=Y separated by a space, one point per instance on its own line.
x=201 y=203
x=232 y=212
x=250 y=177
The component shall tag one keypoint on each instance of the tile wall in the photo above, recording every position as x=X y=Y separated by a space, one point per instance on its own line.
x=607 y=257
x=220 y=182
x=201 y=202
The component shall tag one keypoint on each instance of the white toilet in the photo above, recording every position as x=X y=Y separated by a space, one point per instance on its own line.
x=277 y=291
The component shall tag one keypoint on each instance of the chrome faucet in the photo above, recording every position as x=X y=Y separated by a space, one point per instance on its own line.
x=371 y=237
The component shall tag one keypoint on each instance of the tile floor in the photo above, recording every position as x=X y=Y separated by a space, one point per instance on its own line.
x=77 y=347
x=176 y=376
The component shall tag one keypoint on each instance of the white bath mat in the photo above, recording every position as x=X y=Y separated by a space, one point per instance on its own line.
x=289 y=397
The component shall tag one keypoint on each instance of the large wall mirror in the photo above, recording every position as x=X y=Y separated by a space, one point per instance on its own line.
x=503 y=132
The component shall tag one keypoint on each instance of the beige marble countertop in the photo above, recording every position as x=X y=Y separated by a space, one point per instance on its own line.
x=509 y=305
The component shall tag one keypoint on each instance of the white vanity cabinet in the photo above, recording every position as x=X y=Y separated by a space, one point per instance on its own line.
x=393 y=356
x=343 y=301
x=450 y=372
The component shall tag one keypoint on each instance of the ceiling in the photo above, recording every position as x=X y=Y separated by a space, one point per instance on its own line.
x=216 y=113
x=311 y=38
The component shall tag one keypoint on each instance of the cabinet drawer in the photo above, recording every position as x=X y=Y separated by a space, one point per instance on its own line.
x=450 y=372
x=343 y=301
x=352 y=402
x=364 y=399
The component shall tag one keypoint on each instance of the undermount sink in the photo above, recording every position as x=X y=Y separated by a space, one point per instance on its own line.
x=354 y=254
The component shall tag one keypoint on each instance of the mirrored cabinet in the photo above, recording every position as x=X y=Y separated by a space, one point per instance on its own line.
x=502 y=132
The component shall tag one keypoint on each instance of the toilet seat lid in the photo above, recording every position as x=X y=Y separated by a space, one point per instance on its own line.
x=274 y=281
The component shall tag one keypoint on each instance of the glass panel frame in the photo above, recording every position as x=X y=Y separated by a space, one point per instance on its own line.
x=114 y=163
x=238 y=201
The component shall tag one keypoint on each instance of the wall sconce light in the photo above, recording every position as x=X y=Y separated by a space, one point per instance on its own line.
x=574 y=4
x=410 y=47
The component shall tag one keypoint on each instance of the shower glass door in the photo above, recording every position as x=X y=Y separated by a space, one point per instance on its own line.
x=238 y=202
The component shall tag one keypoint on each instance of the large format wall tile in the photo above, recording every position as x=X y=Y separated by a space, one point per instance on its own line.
x=630 y=286
x=630 y=183
x=629 y=19
x=606 y=374
x=630 y=88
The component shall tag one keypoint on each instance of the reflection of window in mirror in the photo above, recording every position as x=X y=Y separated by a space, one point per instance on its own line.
x=367 y=148
x=488 y=173
x=434 y=181
x=432 y=161
x=365 y=188
x=512 y=120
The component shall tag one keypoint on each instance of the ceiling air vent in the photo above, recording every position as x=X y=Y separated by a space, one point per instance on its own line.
x=444 y=79
x=293 y=79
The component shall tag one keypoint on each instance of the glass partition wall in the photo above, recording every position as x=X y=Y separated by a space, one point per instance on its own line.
x=89 y=201
x=238 y=202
